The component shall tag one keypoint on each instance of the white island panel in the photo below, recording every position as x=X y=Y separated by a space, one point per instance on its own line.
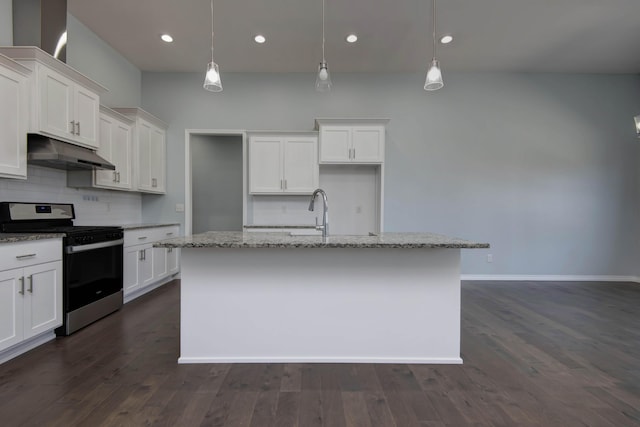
x=351 y=305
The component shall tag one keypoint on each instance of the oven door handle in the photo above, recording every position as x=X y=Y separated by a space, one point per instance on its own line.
x=84 y=248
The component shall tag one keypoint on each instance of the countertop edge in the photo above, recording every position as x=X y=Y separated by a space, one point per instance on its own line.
x=28 y=237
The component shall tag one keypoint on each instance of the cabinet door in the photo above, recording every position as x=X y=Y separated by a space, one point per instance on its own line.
x=56 y=104
x=87 y=117
x=11 y=308
x=157 y=149
x=131 y=269
x=173 y=260
x=368 y=144
x=266 y=164
x=146 y=266
x=335 y=144
x=121 y=153
x=106 y=178
x=160 y=264
x=301 y=164
x=115 y=146
x=13 y=125
x=43 y=288
x=143 y=162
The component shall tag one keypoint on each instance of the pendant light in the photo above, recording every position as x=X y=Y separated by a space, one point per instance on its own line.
x=212 y=80
x=323 y=80
x=434 y=75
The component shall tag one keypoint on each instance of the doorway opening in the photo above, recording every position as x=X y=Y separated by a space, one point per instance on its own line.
x=214 y=181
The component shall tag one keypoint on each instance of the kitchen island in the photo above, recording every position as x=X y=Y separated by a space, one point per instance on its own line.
x=272 y=297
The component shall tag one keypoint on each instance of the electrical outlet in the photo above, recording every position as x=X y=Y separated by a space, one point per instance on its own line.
x=489 y=257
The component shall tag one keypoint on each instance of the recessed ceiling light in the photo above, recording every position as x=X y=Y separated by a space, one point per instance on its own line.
x=166 y=38
x=446 y=39
x=352 y=38
x=260 y=39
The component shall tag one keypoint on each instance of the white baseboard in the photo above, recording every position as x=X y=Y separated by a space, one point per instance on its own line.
x=370 y=360
x=549 y=278
x=139 y=292
x=26 y=345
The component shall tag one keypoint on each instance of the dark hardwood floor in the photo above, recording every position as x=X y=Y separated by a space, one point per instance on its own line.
x=535 y=354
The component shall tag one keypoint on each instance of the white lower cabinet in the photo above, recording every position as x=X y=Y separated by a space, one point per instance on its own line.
x=30 y=292
x=146 y=267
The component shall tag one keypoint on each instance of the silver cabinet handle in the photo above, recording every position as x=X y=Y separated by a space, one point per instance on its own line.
x=169 y=250
x=170 y=234
x=285 y=184
x=30 y=284
x=115 y=176
x=78 y=131
x=73 y=127
x=118 y=176
x=27 y=256
x=144 y=254
x=140 y=255
x=354 y=154
x=154 y=182
x=142 y=237
x=21 y=291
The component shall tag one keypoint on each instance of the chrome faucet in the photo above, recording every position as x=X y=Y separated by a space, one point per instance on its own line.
x=325 y=211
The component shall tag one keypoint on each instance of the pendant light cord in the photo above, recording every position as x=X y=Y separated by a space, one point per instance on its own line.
x=211 y=30
x=434 y=29
x=323 y=61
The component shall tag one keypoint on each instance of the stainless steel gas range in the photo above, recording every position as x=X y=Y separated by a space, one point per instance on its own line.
x=92 y=259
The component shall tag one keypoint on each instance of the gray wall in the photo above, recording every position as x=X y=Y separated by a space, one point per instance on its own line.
x=90 y=55
x=544 y=167
x=6 y=22
x=216 y=164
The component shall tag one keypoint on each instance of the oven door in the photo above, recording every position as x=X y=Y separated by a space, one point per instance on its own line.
x=91 y=272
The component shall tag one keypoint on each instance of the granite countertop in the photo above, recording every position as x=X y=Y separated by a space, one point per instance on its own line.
x=238 y=239
x=143 y=225
x=25 y=237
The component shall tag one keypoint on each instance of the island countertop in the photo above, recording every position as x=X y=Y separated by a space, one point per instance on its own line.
x=238 y=239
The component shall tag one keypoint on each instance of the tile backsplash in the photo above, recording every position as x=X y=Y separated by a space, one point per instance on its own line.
x=92 y=206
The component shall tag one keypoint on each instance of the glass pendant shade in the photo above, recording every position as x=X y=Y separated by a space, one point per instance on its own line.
x=323 y=80
x=637 y=120
x=212 y=80
x=434 y=76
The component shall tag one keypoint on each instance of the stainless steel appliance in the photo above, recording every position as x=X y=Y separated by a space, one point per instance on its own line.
x=92 y=259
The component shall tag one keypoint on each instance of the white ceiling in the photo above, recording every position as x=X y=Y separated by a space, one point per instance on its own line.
x=394 y=35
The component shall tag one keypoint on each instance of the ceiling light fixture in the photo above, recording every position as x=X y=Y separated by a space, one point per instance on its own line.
x=323 y=80
x=446 y=39
x=260 y=39
x=434 y=75
x=166 y=38
x=637 y=120
x=352 y=38
x=212 y=80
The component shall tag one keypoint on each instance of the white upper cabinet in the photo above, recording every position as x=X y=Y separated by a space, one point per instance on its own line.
x=283 y=163
x=13 y=119
x=351 y=140
x=116 y=133
x=149 y=149
x=64 y=103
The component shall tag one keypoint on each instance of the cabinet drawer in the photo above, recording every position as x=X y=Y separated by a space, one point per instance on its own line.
x=149 y=235
x=23 y=254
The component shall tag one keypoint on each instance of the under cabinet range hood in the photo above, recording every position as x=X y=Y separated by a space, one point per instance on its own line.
x=52 y=153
